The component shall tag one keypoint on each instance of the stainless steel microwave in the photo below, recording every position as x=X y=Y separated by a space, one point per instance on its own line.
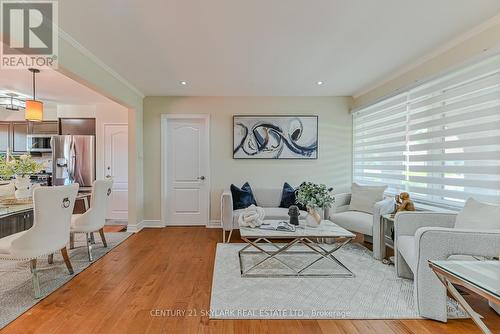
x=38 y=143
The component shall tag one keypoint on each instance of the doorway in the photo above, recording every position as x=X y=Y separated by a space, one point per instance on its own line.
x=185 y=170
x=116 y=167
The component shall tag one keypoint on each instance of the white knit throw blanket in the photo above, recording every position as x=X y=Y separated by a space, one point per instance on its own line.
x=253 y=216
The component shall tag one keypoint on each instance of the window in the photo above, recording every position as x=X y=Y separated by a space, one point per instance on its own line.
x=440 y=141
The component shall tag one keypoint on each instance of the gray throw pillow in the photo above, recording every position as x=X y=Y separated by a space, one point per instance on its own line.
x=478 y=216
x=363 y=198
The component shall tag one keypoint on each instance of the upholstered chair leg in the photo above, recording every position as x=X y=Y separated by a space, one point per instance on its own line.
x=36 y=283
x=50 y=259
x=223 y=236
x=402 y=268
x=92 y=239
x=229 y=236
x=64 y=253
x=71 y=240
x=89 y=246
x=103 y=238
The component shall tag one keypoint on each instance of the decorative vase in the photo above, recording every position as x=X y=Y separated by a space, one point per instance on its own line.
x=23 y=187
x=313 y=219
x=7 y=188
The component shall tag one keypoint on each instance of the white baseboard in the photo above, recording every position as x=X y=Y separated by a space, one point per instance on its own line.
x=214 y=224
x=158 y=224
x=153 y=224
x=144 y=224
x=135 y=227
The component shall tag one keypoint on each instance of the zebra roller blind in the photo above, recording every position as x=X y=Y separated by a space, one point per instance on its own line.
x=440 y=141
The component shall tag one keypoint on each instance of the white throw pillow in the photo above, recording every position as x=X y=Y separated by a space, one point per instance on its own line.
x=363 y=198
x=478 y=216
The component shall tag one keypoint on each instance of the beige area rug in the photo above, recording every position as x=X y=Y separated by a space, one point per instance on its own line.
x=374 y=293
x=16 y=289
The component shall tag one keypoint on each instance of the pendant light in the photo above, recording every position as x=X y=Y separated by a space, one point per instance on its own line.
x=34 y=108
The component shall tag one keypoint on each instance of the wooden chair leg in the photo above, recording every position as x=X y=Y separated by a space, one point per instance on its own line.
x=103 y=238
x=50 y=259
x=64 y=253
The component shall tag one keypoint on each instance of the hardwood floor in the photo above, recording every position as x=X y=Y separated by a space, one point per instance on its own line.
x=115 y=228
x=171 y=269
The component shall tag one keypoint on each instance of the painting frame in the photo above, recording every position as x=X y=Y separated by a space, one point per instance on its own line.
x=315 y=119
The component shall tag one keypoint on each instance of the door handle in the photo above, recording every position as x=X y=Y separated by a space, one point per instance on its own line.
x=201 y=178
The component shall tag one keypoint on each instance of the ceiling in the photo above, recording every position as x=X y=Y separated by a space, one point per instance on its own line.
x=51 y=87
x=265 y=47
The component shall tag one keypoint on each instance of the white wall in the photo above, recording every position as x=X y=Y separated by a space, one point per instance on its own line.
x=76 y=111
x=82 y=66
x=333 y=167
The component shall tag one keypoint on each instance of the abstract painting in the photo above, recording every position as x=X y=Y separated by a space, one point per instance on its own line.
x=275 y=137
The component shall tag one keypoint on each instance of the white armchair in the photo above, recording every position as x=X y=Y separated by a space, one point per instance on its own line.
x=94 y=218
x=424 y=236
x=52 y=208
x=362 y=222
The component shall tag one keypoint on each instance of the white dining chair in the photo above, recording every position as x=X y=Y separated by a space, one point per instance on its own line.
x=52 y=208
x=94 y=218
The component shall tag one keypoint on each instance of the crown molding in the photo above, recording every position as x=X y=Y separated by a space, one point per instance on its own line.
x=87 y=53
x=433 y=54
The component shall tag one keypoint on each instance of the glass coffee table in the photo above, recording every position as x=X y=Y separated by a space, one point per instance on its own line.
x=273 y=247
x=480 y=277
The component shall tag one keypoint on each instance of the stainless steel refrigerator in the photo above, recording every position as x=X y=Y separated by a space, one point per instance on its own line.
x=73 y=160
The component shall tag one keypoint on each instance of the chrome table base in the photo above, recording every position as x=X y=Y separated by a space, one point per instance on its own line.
x=284 y=249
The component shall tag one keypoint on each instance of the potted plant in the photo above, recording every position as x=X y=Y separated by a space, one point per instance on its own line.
x=21 y=169
x=314 y=197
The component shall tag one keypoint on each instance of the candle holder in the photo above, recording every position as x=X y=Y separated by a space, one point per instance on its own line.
x=294 y=213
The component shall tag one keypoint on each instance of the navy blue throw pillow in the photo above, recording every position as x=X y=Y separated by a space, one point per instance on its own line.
x=288 y=197
x=242 y=198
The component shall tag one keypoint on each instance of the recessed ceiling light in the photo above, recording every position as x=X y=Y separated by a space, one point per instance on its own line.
x=184 y=83
x=319 y=83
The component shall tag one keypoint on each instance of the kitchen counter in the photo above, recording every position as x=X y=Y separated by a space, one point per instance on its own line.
x=9 y=210
x=15 y=218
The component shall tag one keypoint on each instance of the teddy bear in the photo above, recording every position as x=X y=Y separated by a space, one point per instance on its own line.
x=404 y=203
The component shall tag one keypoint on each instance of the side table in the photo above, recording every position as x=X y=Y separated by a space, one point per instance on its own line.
x=386 y=224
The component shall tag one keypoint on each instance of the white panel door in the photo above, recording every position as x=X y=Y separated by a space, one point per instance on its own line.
x=187 y=187
x=116 y=166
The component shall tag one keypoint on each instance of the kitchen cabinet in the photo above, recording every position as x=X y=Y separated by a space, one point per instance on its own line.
x=13 y=135
x=19 y=132
x=77 y=126
x=16 y=223
x=44 y=128
x=4 y=136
